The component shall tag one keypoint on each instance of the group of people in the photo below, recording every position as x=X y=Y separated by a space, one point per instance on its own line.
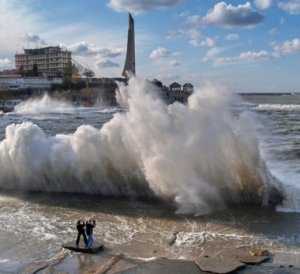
x=86 y=230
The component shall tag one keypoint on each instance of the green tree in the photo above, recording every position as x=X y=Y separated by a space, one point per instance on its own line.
x=88 y=74
x=67 y=76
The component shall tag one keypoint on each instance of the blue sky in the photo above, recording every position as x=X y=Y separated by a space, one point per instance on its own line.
x=249 y=46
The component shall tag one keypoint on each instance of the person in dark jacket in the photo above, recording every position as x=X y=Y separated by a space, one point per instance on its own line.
x=81 y=231
x=89 y=227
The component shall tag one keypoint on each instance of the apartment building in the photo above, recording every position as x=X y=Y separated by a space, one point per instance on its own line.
x=48 y=62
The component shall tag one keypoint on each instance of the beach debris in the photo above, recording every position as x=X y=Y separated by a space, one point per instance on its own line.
x=219 y=264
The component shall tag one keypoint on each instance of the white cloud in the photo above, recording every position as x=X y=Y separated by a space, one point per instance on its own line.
x=203 y=42
x=87 y=49
x=287 y=47
x=196 y=38
x=34 y=39
x=137 y=6
x=273 y=31
x=290 y=6
x=213 y=56
x=232 y=37
x=5 y=63
x=15 y=21
x=248 y=56
x=175 y=63
x=107 y=64
x=175 y=34
x=227 y=15
x=263 y=4
x=160 y=53
x=254 y=55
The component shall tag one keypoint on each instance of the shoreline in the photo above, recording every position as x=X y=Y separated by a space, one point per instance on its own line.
x=110 y=261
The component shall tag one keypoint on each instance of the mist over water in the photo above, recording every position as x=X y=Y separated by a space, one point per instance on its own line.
x=199 y=156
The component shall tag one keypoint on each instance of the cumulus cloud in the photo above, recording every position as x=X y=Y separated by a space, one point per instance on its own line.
x=263 y=4
x=213 y=55
x=287 y=47
x=137 y=6
x=175 y=34
x=248 y=56
x=175 y=63
x=160 y=53
x=85 y=49
x=16 y=19
x=5 y=63
x=34 y=39
x=227 y=15
x=201 y=41
x=107 y=64
x=232 y=37
x=290 y=6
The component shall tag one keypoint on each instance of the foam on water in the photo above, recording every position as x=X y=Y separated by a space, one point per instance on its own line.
x=198 y=156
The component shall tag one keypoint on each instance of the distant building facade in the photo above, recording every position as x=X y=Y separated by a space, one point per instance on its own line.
x=175 y=87
x=188 y=88
x=19 y=83
x=174 y=92
x=50 y=62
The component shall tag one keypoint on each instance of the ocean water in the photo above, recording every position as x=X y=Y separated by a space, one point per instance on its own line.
x=146 y=171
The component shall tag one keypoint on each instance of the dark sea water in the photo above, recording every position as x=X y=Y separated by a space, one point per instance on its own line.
x=33 y=226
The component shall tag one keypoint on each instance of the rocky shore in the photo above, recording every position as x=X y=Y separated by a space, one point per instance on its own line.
x=242 y=260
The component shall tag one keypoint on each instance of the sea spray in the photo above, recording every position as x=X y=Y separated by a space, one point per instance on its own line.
x=198 y=156
x=44 y=104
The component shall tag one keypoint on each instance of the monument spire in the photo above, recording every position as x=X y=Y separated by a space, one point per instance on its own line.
x=129 y=68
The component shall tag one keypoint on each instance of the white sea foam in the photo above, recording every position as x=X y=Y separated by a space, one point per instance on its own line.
x=198 y=155
x=278 y=107
x=43 y=105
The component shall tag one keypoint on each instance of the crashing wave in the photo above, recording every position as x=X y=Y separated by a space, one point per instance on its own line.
x=198 y=156
x=44 y=105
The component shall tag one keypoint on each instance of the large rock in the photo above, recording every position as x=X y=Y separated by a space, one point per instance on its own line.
x=219 y=265
x=96 y=248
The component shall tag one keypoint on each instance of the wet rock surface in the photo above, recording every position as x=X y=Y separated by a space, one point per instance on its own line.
x=219 y=265
x=109 y=263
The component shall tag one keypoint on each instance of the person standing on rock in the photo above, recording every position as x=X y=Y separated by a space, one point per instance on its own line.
x=89 y=227
x=81 y=231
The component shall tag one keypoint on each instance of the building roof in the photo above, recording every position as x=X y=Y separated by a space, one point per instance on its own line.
x=175 y=85
x=188 y=85
x=157 y=83
x=44 y=50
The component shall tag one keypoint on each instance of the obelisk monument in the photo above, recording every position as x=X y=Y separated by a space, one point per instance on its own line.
x=129 y=68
